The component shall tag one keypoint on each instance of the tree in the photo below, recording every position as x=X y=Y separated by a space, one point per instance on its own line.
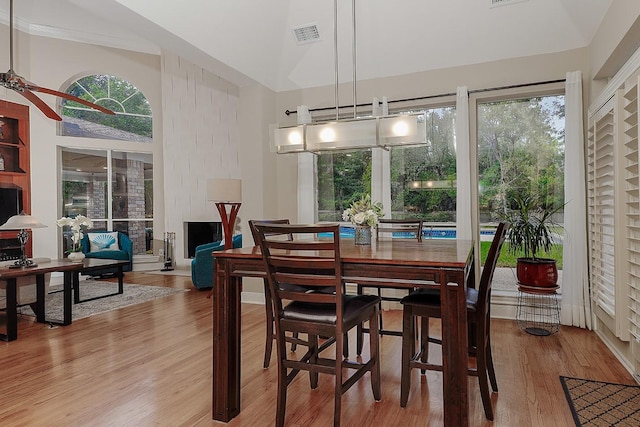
x=520 y=153
x=435 y=162
x=343 y=178
x=133 y=112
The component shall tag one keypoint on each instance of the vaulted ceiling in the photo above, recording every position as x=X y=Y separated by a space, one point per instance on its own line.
x=253 y=40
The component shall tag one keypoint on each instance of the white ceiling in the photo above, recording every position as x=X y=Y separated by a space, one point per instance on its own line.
x=245 y=40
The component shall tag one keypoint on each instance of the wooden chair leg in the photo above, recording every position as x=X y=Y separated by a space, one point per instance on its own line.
x=490 y=368
x=337 y=403
x=281 y=401
x=268 y=345
x=481 y=368
x=424 y=341
x=408 y=347
x=374 y=346
x=345 y=345
x=313 y=359
x=380 y=324
x=359 y=330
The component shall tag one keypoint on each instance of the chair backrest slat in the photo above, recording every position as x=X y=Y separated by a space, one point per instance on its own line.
x=268 y=221
x=305 y=268
x=391 y=226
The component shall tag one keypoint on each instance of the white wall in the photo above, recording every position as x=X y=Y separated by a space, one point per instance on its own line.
x=54 y=64
x=201 y=135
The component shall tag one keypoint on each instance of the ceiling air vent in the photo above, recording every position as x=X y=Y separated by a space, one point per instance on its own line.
x=496 y=3
x=306 y=33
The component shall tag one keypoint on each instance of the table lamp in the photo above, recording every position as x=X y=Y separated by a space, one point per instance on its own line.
x=22 y=222
x=226 y=192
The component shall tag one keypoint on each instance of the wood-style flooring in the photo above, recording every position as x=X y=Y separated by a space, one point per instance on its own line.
x=150 y=365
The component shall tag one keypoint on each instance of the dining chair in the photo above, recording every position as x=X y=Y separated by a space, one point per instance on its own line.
x=393 y=228
x=313 y=265
x=270 y=335
x=426 y=304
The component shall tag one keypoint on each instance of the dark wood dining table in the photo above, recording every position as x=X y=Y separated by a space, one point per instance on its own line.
x=447 y=264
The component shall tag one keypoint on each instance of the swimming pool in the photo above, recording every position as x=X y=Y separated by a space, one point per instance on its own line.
x=347 y=232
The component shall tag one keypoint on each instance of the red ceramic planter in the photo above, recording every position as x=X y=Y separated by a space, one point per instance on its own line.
x=538 y=272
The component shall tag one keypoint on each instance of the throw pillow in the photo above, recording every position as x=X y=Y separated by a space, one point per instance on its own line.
x=103 y=241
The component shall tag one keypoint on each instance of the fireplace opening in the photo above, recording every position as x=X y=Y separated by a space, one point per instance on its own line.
x=200 y=232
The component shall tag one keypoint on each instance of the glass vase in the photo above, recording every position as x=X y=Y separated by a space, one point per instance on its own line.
x=362 y=235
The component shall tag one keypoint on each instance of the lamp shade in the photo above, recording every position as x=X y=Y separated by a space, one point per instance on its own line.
x=406 y=129
x=287 y=139
x=342 y=135
x=224 y=190
x=21 y=222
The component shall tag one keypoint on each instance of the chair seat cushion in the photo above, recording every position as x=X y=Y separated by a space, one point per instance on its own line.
x=431 y=297
x=353 y=306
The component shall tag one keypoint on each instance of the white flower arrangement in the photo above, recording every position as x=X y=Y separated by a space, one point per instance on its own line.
x=364 y=212
x=76 y=225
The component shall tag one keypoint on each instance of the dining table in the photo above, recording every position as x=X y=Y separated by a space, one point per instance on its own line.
x=444 y=264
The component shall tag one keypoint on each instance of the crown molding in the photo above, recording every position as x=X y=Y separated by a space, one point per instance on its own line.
x=93 y=38
x=616 y=82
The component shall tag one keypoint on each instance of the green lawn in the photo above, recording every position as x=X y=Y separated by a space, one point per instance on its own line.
x=507 y=259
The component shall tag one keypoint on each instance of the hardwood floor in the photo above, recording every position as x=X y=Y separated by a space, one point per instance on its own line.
x=150 y=364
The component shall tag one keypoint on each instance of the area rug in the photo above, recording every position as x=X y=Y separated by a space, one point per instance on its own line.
x=133 y=294
x=595 y=403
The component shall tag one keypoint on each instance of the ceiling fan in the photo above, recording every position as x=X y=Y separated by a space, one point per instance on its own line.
x=13 y=81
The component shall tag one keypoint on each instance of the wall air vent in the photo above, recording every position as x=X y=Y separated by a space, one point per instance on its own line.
x=496 y=3
x=306 y=33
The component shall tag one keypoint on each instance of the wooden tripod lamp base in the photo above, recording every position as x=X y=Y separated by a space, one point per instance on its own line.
x=226 y=192
x=228 y=221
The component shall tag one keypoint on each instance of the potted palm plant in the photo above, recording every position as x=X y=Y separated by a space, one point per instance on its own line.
x=532 y=231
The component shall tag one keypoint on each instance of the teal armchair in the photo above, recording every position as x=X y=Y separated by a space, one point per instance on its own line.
x=124 y=252
x=202 y=262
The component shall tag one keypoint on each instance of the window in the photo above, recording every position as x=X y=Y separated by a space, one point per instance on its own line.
x=114 y=189
x=423 y=178
x=132 y=121
x=343 y=177
x=520 y=152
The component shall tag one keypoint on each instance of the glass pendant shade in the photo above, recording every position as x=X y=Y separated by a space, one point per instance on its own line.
x=407 y=129
x=362 y=133
x=287 y=139
x=342 y=135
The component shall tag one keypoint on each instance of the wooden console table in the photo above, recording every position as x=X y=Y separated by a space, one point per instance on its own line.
x=11 y=275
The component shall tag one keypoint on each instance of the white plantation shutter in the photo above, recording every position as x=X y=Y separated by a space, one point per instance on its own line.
x=632 y=198
x=605 y=197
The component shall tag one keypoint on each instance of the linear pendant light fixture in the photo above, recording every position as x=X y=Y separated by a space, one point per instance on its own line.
x=349 y=134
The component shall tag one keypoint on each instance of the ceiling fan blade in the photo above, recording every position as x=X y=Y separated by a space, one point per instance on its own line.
x=48 y=111
x=69 y=97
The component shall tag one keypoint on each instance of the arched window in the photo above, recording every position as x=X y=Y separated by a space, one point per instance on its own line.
x=132 y=121
x=112 y=187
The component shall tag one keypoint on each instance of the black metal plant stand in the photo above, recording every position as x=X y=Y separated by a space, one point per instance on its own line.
x=538 y=310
